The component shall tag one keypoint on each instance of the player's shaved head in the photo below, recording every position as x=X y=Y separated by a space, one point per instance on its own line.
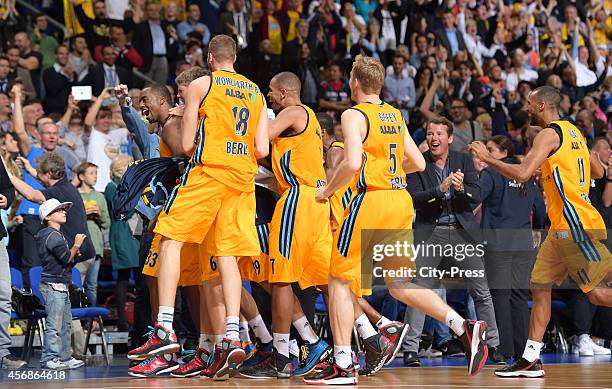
x=161 y=92
x=222 y=48
x=288 y=81
x=548 y=95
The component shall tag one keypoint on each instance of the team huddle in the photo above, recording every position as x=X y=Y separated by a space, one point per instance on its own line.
x=219 y=226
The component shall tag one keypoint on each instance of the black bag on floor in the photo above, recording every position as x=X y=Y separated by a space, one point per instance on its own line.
x=25 y=303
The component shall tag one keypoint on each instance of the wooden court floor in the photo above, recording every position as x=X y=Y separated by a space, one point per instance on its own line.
x=558 y=376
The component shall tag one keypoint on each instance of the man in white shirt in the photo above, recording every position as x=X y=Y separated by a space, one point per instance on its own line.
x=519 y=72
x=105 y=143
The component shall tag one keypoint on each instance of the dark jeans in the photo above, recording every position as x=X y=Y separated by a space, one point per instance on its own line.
x=582 y=312
x=508 y=274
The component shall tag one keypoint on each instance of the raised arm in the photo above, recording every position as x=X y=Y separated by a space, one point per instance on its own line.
x=425 y=107
x=23 y=139
x=195 y=93
x=544 y=143
x=90 y=118
x=65 y=120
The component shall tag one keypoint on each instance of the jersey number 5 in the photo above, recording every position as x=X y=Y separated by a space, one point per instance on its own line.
x=241 y=117
x=581 y=171
x=393 y=158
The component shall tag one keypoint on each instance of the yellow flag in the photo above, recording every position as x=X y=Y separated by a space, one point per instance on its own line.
x=70 y=20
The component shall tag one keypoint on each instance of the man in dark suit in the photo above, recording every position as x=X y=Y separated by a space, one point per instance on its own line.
x=444 y=197
x=157 y=43
x=58 y=81
x=107 y=74
x=449 y=36
x=467 y=87
x=235 y=23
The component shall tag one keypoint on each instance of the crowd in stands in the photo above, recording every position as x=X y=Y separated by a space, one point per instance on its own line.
x=472 y=61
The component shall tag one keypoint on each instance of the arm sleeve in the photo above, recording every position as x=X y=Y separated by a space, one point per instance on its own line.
x=498 y=119
x=136 y=127
x=6 y=187
x=421 y=197
x=539 y=207
x=487 y=184
x=58 y=246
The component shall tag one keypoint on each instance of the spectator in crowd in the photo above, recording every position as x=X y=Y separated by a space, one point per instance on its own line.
x=420 y=51
x=96 y=29
x=126 y=56
x=352 y=24
x=116 y=8
x=108 y=74
x=290 y=59
x=7 y=196
x=19 y=73
x=390 y=15
x=586 y=123
x=193 y=24
x=601 y=188
x=309 y=76
x=399 y=88
x=5 y=68
x=448 y=36
x=58 y=259
x=5 y=112
x=29 y=59
x=71 y=129
x=112 y=141
x=267 y=65
x=79 y=57
x=444 y=197
x=467 y=87
x=334 y=93
x=509 y=212
x=234 y=22
x=156 y=41
x=43 y=42
x=58 y=81
x=372 y=42
x=519 y=71
x=124 y=248
x=98 y=220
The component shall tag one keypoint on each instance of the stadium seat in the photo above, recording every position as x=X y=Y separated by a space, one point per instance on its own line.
x=33 y=321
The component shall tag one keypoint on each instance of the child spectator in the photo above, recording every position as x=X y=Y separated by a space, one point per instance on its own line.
x=57 y=261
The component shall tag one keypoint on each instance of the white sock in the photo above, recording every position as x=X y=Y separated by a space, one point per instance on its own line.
x=218 y=339
x=203 y=339
x=364 y=327
x=383 y=322
x=206 y=343
x=455 y=322
x=244 y=331
x=165 y=316
x=306 y=332
x=532 y=350
x=281 y=344
x=261 y=331
x=232 y=328
x=343 y=356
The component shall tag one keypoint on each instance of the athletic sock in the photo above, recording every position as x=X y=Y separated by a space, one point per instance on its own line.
x=305 y=330
x=206 y=343
x=232 y=328
x=532 y=350
x=261 y=331
x=364 y=327
x=455 y=322
x=244 y=331
x=383 y=322
x=165 y=316
x=218 y=339
x=281 y=344
x=343 y=356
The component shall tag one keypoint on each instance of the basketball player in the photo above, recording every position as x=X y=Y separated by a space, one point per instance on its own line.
x=573 y=245
x=225 y=118
x=394 y=331
x=378 y=153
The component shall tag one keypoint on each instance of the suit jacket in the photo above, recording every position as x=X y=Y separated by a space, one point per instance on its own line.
x=58 y=88
x=143 y=43
x=424 y=189
x=442 y=39
x=95 y=78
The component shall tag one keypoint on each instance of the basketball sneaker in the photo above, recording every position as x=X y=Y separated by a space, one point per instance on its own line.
x=522 y=368
x=275 y=366
x=333 y=374
x=377 y=349
x=194 y=367
x=162 y=341
x=249 y=350
x=395 y=333
x=230 y=356
x=311 y=355
x=475 y=341
x=158 y=365
x=263 y=351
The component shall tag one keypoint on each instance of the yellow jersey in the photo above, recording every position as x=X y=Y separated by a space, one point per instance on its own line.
x=225 y=139
x=383 y=149
x=566 y=177
x=297 y=159
x=164 y=149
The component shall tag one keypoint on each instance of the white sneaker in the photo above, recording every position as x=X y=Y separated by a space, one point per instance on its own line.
x=74 y=363
x=599 y=350
x=584 y=346
x=56 y=364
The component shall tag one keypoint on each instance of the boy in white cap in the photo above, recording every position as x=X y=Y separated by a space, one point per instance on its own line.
x=57 y=261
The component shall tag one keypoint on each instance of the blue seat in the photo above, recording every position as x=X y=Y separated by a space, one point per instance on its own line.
x=16 y=278
x=247 y=286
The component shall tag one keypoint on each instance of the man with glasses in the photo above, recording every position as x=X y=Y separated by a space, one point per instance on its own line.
x=464 y=129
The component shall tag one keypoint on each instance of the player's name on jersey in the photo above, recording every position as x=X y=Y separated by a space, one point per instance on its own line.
x=387 y=116
x=240 y=84
x=390 y=130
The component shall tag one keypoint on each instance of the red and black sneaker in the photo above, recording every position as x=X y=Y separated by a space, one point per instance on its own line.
x=377 y=349
x=162 y=342
x=210 y=362
x=333 y=374
x=522 y=368
x=155 y=366
x=230 y=356
x=475 y=341
x=193 y=367
x=395 y=333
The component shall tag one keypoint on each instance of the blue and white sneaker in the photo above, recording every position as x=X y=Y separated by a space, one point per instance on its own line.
x=263 y=352
x=312 y=355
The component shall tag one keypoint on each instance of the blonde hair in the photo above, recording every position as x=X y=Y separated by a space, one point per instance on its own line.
x=120 y=162
x=370 y=73
x=8 y=159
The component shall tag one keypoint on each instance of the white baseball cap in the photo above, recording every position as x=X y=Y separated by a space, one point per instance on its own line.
x=50 y=206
